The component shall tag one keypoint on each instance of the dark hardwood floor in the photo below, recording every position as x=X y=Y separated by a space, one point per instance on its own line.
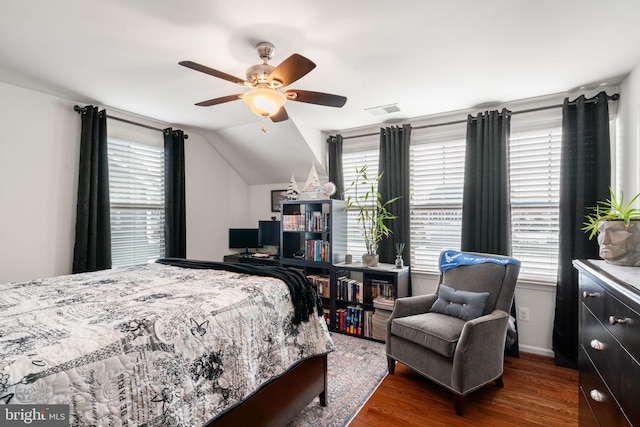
x=535 y=393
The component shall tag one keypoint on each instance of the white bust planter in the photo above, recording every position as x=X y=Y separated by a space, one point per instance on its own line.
x=619 y=244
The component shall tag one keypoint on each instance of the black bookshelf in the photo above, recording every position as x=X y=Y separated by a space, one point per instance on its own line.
x=364 y=297
x=313 y=237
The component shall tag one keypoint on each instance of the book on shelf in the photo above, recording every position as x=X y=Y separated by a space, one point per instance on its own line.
x=326 y=314
x=317 y=250
x=349 y=289
x=381 y=288
x=351 y=320
x=368 y=315
x=322 y=284
x=317 y=222
x=295 y=222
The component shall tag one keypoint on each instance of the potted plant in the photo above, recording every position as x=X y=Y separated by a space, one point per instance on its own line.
x=372 y=212
x=615 y=222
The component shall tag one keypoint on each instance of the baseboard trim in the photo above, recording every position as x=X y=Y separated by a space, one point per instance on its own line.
x=536 y=350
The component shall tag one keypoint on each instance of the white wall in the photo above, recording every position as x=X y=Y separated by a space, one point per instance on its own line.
x=39 y=152
x=217 y=199
x=628 y=176
x=39 y=155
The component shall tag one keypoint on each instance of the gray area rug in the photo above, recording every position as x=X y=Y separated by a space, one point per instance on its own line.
x=356 y=369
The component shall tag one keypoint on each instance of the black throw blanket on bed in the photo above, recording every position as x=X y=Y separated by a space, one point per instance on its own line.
x=303 y=295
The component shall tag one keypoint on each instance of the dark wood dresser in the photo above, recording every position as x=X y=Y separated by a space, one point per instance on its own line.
x=609 y=344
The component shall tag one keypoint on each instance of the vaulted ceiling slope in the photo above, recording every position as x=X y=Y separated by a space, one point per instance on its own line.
x=428 y=56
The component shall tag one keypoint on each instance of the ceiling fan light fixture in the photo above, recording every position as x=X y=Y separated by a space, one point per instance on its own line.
x=264 y=102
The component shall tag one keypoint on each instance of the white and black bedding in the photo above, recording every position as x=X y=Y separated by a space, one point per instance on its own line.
x=157 y=344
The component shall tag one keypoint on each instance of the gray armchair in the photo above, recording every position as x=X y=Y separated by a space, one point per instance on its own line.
x=463 y=349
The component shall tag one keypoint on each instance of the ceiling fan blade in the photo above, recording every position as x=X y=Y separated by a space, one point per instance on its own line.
x=291 y=69
x=318 y=98
x=280 y=116
x=220 y=100
x=212 y=72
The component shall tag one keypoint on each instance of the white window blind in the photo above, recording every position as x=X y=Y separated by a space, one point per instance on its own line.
x=136 y=190
x=351 y=162
x=436 y=185
x=535 y=199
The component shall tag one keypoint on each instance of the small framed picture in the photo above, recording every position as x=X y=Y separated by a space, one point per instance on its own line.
x=276 y=197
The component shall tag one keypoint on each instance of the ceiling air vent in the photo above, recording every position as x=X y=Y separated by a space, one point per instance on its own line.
x=383 y=109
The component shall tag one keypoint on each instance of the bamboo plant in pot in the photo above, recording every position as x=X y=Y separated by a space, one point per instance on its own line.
x=617 y=225
x=372 y=212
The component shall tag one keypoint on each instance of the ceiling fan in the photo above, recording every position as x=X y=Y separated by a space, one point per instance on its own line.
x=265 y=81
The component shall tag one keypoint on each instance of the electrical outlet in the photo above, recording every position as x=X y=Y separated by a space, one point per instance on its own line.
x=523 y=314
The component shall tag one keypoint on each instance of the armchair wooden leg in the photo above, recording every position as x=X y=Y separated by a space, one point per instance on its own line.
x=458 y=401
x=499 y=382
x=391 y=365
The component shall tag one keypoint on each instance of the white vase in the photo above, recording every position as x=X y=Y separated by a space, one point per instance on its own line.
x=370 y=260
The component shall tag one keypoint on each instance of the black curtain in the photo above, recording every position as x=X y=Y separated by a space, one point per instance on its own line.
x=92 y=249
x=585 y=174
x=394 y=162
x=175 y=229
x=486 y=207
x=336 y=174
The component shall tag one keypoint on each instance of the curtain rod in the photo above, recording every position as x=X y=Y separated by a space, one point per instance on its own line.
x=80 y=109
x=613 y=97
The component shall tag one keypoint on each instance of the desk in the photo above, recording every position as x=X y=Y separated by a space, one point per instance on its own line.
x=248 y=259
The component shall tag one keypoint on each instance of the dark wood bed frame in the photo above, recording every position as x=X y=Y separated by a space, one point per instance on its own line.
x=279 y=401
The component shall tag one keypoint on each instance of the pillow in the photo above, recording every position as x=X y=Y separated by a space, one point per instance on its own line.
x=464 y=305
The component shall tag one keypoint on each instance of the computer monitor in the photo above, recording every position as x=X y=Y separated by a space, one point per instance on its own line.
x=269 y=233
x=243 y=238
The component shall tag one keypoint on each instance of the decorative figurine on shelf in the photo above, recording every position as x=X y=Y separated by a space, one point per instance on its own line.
x=399 y=250
x=292 y=190
x=313 y=190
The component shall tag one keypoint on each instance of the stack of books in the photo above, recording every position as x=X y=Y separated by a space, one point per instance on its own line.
x=383 y=308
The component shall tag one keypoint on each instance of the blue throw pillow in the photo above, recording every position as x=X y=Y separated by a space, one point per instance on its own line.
x=461 y=304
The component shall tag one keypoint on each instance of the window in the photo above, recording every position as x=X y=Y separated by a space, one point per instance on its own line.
x=136 y=190
x=436 y=185
x=534 y=161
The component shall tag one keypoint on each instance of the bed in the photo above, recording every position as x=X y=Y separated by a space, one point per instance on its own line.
x=175 y=343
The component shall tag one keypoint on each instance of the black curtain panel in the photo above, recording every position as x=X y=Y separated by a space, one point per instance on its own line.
x=585 y=176
x=336 y=174
x=92 y=249
x=394 y=162
x=175 y=229
x=486 y=207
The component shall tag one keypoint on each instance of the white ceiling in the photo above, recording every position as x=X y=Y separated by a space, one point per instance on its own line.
x=427 y=56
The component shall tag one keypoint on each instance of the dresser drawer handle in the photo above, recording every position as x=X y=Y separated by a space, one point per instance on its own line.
x=613 y=321
x=597 y=396
x=596 y=345
x=586 y=295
